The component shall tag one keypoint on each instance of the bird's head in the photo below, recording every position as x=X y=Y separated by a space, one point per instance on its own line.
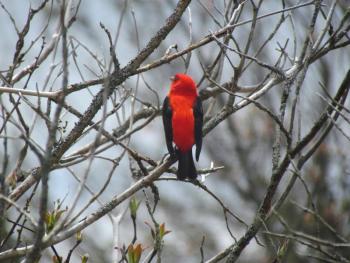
x=183 y=84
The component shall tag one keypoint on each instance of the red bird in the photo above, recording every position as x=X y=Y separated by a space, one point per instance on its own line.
x=183 y=122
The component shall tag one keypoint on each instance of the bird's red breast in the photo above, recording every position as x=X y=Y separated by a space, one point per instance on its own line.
x=182 y=95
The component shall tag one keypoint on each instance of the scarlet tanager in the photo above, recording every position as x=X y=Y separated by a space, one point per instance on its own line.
x=183 y=122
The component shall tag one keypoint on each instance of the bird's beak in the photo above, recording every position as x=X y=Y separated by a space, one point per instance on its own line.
x=172 y=78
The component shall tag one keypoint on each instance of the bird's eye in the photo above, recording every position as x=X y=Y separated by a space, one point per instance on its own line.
x=174 y=78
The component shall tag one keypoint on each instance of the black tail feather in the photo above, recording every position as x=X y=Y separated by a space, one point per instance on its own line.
x=186 y=168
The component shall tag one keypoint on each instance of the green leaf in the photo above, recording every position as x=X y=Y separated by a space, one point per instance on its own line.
x=282 y=250
x=84 y=258
x=79 y=236
x=134 y=253
x=51 y=218
x=134 y=206
x=163 y=231
x=131 y=254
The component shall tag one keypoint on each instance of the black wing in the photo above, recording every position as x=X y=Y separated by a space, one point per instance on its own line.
x=167 y=114
x=198 y=125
